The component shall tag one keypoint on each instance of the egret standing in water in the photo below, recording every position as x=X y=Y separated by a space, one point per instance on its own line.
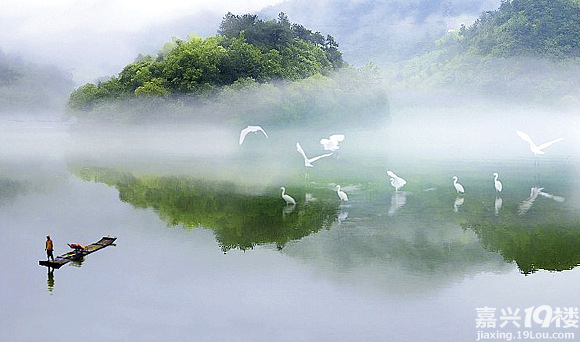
x=497 y=183
x=458 y=187
x=536 y=149
x=287 y=198
x=341 y=194
x=308 y=161
x=396 y=181
x=331 y=144
x=251 y=129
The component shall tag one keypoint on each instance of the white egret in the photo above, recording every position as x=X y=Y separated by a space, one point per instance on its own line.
x=458 y=187
x=308 y=161
x=396 y=181
x=341 y=194
x=331 y=144
x=251 y=129
x=536 y=149
x=497 y=183
x=287 y=198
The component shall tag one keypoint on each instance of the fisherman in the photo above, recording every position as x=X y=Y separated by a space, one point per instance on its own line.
x=49 y=248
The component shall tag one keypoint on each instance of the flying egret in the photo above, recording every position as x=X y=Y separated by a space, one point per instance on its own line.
x=308 y=161
x=458 y=187
x=536 y=149
x=498 y=185
x=287 y=198
x=251 y=129
x=341 y=194
x=396 y=181
x=331 y=144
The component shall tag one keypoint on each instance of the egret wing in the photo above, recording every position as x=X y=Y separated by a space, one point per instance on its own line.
x=525 y=138
x=318 y=157
x=544 y=145
x=299 y=149
x=243 y=134
x=337 y=137
x=259 y=128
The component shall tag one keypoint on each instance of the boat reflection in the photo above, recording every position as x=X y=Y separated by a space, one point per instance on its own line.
x=50 y=280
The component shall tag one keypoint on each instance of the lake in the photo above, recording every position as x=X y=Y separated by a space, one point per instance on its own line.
x=207 y=249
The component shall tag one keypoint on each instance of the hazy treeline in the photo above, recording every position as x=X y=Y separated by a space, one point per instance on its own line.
x=268 y=72
x=245 y=47
x=26 y=86
x=382 y=31
x=549 y=28
x=524 y=51
x=355 y=96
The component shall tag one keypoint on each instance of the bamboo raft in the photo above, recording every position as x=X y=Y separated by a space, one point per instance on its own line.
x=78 y=253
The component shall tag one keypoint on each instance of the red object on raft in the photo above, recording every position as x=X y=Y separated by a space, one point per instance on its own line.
x=76 y=246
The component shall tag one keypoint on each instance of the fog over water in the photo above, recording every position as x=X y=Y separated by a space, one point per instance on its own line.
x=208 y=250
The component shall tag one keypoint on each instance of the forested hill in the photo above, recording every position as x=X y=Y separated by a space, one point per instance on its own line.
x=546 y=28
x=245 y=47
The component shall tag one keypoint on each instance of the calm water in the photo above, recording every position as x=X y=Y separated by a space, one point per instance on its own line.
x=207 y=249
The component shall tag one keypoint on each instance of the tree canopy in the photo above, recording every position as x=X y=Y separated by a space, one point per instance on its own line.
x=547 y=28
x=245 y=48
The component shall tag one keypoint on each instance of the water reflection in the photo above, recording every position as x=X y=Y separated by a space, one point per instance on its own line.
x=546 y=238
x=50 y=280
x=459 y=200
x=239 y=218
x=527 y=203
x=497 y=205
x=398 y=200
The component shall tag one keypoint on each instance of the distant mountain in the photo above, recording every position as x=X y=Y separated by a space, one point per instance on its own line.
x=26 y=87
x=526 y=51
x=383 y=31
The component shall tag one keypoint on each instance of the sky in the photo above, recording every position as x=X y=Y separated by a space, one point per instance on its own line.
x=96 y=38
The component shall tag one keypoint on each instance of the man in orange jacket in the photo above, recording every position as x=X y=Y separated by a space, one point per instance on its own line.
x=49 y=248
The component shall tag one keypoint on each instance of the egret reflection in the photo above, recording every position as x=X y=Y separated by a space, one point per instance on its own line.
x=497 y=205
x=398 y=200
x=527 y=203
x=343 y=215
x=558 y=199
x=458 y=202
